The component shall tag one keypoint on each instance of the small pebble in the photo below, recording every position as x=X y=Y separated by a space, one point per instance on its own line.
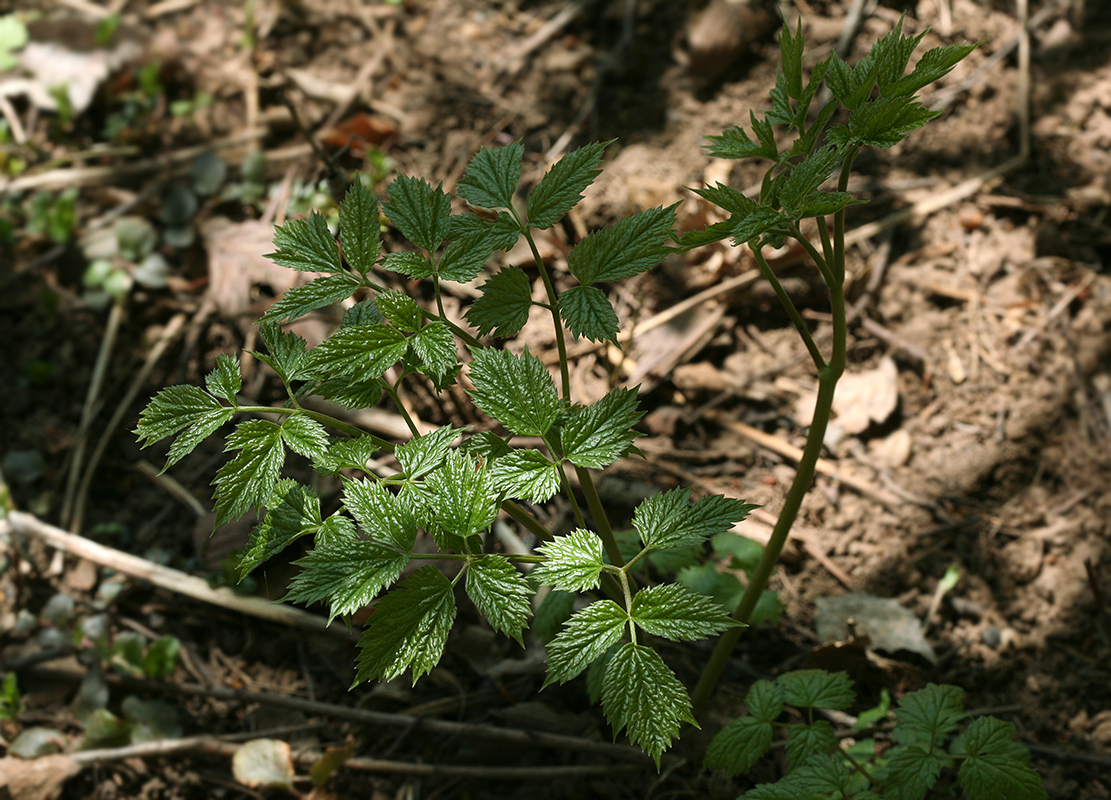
x=991 y=636
x=970 y=218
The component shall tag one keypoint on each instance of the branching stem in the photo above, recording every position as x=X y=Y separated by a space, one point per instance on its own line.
x=828 y=375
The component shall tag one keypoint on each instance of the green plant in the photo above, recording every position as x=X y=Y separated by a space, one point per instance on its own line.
x=13 y=36
x=11 y=701
x=927 y=739
x=53 y=214
x=454 y=492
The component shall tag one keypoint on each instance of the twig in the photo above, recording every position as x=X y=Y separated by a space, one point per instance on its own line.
x=464 y=731
x=171 y=579
x=777 y=445
x=93 y=176
x=69 y=503
x=169 y=334
x=1058 y=309
x=171 y=487
x=213 y=746
x=16 y=127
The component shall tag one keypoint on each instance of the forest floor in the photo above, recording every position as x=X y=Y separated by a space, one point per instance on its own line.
x=973 y=427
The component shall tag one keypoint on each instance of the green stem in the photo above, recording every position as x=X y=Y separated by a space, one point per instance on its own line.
x=527 y=520
x=601 y=521
x=569 y=493
x=323 y=419
x=395 y=396
x=626 y=591
x=789 y=306
x=553 y=306
x=822 y=263
x=859 y=767
x=828 y=376
x=598 y=511
x=514 y=557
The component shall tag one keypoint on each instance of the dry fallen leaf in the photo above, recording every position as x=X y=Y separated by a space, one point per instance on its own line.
x=236 y=263
x=36 y=778
x=862 y=398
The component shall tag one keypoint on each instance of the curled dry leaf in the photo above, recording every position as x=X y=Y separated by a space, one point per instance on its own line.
x=37 y=778
x=236 y=263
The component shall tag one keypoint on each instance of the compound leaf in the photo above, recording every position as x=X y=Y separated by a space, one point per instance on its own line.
x=599 y=434
x=463 y=498
x=826 y=774
x=574 y=562
x=934 y=64
x=516 y=390
x=727 y=197
x=928 y=715
x=409 y=263
x=408 y=628
x=790 y=48
x=249 y=478
x=224 y=380
x=883 y=122
x=421 y=213
x=420 y=456
x=351 y=453
x=177 y=407
x=997 y=767
x=346 y=574
x=669 y=520
x=351 y=393
x=561 y=188
x=304 y=436
x=675 y=612
x=366 y=350
x=735 y=143
x=491 y=176
x=400 y=309
x=586 y=635
x=804 y=741
x=287 y=352
x=739 y=745
x=464 y=258
x=364 y=312
x=588 y=314
x=379 y=513
x=501 y=593
x=504 y=304
x=359 y=227
x=292 y=511
x=816 y=688
x=435 y=350
x=498 y=233
x=526 y=474
x=911 y=772
x=754 y=225
x=306 y=245
x=643 y=696
x=764 y=701
x=626 y=248
x=318 y=293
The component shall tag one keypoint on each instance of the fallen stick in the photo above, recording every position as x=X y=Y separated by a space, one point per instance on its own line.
x=787 y=450
x=172 y=580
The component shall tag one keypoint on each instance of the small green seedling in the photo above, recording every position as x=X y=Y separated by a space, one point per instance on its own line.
x=451 y=484
x=930 y=744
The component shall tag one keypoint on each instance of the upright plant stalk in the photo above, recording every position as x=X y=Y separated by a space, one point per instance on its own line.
x=829 y=372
